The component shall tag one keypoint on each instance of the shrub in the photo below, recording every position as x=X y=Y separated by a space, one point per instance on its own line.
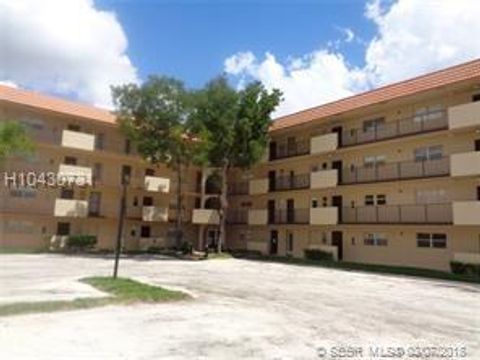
x=81 y=242
x=458 y=267
x=316 y=254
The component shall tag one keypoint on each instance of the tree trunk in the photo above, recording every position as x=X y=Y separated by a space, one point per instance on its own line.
x=223 y=210
x=179 y=206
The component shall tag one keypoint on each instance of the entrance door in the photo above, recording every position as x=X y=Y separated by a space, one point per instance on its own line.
x=271 y=180
x=271 y=211
x=337 y=201
x=337 y=240
x=290 y=211
x=477 y=145
x=339 y=131
x=212 y=237
x=273 y=242
x=338 y=165
x=94 y=203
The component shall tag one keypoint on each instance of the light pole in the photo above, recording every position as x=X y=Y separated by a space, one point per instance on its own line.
x=121 y=216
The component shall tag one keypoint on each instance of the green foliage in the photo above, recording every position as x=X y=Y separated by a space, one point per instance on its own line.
x=316 y=254
x=14 y=140
x=81 y=242
x=233 y=125
x=155 y=116
x=458 y=267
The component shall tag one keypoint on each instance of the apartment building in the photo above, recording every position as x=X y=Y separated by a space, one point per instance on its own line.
x=390 y=176
x=76 y=140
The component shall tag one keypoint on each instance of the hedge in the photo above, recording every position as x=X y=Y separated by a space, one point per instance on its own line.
x=81 y=241
x=316 y=254
x=458 y=267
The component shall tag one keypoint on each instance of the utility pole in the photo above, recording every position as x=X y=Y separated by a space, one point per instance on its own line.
x=123 y=201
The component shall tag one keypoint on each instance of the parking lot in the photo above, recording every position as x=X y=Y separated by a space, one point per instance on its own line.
x=241 y=309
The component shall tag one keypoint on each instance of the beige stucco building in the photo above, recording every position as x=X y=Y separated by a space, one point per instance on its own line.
x=390 y=176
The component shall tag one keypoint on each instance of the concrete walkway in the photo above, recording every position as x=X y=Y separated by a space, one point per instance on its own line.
x=242 y=309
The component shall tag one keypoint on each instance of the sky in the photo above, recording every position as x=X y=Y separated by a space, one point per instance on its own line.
x=315 y=51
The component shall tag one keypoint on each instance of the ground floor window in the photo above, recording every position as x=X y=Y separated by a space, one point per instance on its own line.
x=428 y=240
x=375 y=239
x=63 y=228
x=145 y=231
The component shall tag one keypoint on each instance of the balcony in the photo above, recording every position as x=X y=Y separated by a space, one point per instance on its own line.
x=323 y=179
x=399 y=214
x=257 y=217
x=464 y=116
x=466 y=212
x=465 y=164
x=424 y=123
x=78 y=140
x=71 y=208
x=205 y=217
x=396 y=171
x=237 y=216
x=186 y=215
x=289 y=182
x=75 y=174
x=157 y=184
x=154 y=214
x=293 y=216
x=324 y=216
x=323 y=143
x=288 y=149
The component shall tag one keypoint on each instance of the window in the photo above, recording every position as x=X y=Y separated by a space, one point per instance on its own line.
x=73 y=127
x=100 y=141
x=25 y=192
x=289 y=241
x=149 y=172
x=427 y=113
x=379 y=199
x=429 y=153
x=135 y=201
x=145 y=231
x=66 y=194
x=63 y=228
x=70 y=160
x=369 y=200
x=371 y=125
x=314 y=203
x=476 y=97
x=33 y=124
x=374 y=239
x=372 y=161
x=427 y=240
x=147 y=201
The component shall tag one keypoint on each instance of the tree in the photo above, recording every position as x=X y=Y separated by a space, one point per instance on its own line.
x=234 y=127
x=155 y=117
x=13 y=139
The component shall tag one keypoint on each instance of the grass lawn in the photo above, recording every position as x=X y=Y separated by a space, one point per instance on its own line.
x=382 y=269
x=122 y=292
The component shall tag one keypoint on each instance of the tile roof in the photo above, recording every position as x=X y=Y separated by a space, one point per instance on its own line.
x=49 y=103
x=454 y=74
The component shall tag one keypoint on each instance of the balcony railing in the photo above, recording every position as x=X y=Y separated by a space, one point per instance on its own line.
x=396 y=171
x=290 y=149
x=414 y=125
x=399 y=214
x=238 y=188
x=295 y=216
x=295 y=182
x=237 y=216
